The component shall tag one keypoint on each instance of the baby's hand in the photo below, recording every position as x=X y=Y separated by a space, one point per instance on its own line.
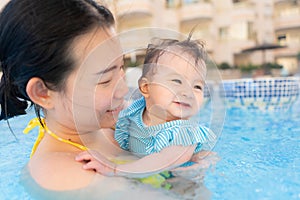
x=206 y=158
x=202 y=161
x=95 y=161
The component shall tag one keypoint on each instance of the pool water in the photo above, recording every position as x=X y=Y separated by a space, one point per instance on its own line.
x=14 y=154
x=259 y=155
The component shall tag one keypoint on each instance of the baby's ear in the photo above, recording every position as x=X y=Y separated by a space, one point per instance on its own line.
x=39 y=93
x=144 y=86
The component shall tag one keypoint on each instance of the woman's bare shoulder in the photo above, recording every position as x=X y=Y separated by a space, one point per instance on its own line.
x=59 y=171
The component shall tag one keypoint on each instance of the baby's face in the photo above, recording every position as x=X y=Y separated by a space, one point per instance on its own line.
x=176 y=87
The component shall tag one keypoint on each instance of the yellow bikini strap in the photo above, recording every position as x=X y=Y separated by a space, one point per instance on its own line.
x=31 y=125
x=42 y=129
x=79 y=146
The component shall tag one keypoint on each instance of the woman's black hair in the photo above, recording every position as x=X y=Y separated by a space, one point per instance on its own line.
x=35 y=40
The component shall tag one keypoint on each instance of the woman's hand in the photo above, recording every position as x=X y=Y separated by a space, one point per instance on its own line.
x=93 y=160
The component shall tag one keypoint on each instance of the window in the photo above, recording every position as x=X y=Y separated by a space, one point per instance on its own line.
x=251 y=32
x=243 y=31
x=281 y=39
x=290 y=11
x=173 y=3
x=239 y=31
x=223 y=33
x=236 y=1
x=190 y=1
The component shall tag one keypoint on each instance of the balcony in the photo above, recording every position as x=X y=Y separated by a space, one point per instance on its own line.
x=287 y=22
x=196 y=12
x=243 y=11
x=279 y=2
x=287 y=52
x=129 y=8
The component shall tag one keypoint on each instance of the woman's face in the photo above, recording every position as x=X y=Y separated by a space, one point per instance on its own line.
x=95 y=90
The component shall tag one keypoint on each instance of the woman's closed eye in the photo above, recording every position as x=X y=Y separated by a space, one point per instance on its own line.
x=108 y=75
x=104 y=82
x=176 y=81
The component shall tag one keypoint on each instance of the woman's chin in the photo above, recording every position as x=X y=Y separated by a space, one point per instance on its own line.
x=108 y=121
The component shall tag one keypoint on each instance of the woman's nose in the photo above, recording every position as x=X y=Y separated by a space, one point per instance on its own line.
x=121 y=87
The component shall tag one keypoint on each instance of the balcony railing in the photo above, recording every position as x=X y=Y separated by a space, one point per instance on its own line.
x=129 y=7
x=244 y=10
x=196 y=11
x=287 y=22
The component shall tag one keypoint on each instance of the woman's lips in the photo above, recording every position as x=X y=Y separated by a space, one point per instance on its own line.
x=117 y=109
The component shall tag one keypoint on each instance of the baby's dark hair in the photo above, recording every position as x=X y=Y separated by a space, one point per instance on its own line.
x=194 y=48
x=35 y=41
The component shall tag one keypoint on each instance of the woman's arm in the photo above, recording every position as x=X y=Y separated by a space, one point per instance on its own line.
x=168 y=158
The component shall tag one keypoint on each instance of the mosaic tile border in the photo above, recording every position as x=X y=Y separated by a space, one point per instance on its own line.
x=262 y=93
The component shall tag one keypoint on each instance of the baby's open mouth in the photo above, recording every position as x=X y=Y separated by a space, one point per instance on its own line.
x=183 y=104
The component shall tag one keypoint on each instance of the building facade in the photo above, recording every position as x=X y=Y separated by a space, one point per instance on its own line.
x=287 y=32
x=227 y=26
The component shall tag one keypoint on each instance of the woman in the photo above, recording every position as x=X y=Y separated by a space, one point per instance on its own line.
x=43 y=44
x=63 y=57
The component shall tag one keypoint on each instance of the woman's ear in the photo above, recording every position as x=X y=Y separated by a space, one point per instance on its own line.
x=39 y=93
x=144 y=87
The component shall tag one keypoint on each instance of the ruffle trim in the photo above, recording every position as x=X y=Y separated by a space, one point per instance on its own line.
x=187 y=134
x=181 y=135
x=133 y=108
x=122 y=133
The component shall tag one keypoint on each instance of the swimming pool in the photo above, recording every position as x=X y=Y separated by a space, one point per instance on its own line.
x=260 y=156
x=259 y=153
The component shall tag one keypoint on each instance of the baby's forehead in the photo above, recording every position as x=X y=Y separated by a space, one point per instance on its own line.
x=174 y=50
x=167 y=55
x=182 y=52
x=179 y=55
x=180 y=60
x=178 y=67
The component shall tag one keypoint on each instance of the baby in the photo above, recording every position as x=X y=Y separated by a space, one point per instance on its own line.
x=172 y=84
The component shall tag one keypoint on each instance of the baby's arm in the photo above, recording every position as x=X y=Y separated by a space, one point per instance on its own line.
x=166 y=159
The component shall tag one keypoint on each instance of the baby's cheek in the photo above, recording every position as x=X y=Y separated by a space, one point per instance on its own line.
x=200 y=100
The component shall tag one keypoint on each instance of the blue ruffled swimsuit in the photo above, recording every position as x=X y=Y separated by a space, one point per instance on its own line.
x=134 y=136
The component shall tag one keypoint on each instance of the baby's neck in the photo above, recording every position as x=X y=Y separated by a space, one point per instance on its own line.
x=150 y=120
